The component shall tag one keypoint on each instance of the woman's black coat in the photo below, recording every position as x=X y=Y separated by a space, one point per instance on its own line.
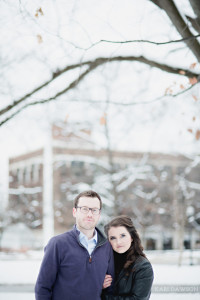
x=134 y=286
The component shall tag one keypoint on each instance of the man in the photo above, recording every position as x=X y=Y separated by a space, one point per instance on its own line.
x=76 y=262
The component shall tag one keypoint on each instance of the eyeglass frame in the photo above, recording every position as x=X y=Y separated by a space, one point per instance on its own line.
x=88 y=209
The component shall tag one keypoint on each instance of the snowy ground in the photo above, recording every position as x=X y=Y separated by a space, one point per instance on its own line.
x=30 y=296
x=19 y=272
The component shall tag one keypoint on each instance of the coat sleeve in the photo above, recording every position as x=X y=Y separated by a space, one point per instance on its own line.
x=110 y=271
x=141 y=285
x=48 y=272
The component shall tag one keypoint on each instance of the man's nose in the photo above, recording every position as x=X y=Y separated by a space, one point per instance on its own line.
x=89 y=212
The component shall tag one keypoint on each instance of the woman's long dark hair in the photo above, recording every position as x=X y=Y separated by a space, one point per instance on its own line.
x=136 y=248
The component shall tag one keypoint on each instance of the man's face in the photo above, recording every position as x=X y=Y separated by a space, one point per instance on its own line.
x=86 y=221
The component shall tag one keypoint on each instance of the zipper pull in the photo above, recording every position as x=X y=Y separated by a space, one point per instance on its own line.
x=90 y=259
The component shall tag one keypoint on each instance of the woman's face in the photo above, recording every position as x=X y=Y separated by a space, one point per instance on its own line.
x=120 y=239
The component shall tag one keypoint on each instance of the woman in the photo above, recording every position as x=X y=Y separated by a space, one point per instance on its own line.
x=133 y=271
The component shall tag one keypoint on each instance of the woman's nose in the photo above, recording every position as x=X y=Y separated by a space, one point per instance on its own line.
x=118 y=242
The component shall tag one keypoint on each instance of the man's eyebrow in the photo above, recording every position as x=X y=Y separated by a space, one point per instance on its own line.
x=90 y=207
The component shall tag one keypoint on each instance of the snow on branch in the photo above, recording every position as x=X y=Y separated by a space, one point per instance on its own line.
x=193 y=185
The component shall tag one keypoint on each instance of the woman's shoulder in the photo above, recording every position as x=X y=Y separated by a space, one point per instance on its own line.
x=141 y=259
x=142 y=270
x=142 y=262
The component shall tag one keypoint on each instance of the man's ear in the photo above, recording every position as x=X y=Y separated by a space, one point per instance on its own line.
x=74 y=212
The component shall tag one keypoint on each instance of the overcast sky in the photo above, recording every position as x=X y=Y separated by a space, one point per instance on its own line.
x=34 y=43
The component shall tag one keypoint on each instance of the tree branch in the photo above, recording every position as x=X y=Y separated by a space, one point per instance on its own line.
x=196 y=7
x=145 y=41
x=72 y=85
x=171 y=10
x=54 y=75
x=98 y=101
x=91 y=66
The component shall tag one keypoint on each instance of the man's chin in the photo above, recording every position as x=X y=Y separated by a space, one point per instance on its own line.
x=89 y=225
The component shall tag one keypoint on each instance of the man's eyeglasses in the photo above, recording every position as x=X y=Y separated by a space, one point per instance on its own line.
x=85 y=210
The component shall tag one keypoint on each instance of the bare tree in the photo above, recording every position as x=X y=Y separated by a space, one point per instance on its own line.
x=185 y=25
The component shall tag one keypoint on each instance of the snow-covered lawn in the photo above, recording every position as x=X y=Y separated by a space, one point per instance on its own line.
x=25 y=272
x=160 y=297
x=23 y=269
x=26 y=296
x=30 y=296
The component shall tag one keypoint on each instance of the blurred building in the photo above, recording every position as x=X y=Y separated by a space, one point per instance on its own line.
x=156 y=190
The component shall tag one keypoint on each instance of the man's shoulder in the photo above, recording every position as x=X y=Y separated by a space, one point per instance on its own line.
x=63 y=237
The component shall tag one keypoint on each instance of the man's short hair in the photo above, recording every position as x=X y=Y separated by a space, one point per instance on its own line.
x=90 y=194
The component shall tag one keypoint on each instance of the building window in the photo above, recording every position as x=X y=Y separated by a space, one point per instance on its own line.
x=167 y=244
x=19 y=175
x=151 y=244
x=63 y=170
x=27 y=175
x=77 y=167
x=35 y=173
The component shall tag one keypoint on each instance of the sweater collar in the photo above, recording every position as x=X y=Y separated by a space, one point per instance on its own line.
x=100 y=237
x=82 y=236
